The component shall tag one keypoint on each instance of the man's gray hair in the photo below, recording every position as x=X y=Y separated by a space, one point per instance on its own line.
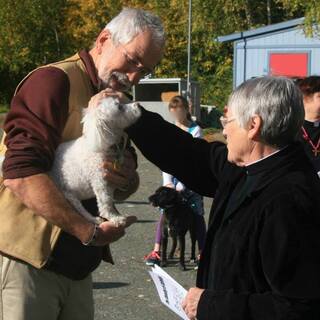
x=277 y=100
x=130 y=22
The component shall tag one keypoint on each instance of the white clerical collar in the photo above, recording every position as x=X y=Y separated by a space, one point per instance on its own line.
x=266 y=157
x=314 y=123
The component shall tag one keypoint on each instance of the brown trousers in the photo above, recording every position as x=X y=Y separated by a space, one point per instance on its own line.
x=27 y=293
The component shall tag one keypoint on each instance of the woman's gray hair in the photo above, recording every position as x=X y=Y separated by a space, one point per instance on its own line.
x=130 y=22
x=277 y=100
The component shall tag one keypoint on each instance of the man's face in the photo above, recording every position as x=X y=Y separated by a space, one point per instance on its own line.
x=120 y=67
x=312 y=103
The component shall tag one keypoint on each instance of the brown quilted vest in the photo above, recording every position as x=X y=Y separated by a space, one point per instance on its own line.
x=24 y=234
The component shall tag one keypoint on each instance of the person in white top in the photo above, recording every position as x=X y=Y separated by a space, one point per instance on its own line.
x=179 y=109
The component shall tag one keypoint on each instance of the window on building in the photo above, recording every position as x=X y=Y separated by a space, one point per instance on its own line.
x=295 y=64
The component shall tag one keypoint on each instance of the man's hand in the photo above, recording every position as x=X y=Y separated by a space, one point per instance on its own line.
x=120 y=176
x=191 y=301
x=96 y=99
x=108 y=232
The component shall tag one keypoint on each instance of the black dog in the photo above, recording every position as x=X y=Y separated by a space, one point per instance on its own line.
x=179 y=218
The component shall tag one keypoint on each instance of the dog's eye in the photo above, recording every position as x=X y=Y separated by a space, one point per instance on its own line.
x=120 y=107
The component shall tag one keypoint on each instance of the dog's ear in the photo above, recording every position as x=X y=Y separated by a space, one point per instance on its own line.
x=159 y=189
x=153 y=199
x=92 y=129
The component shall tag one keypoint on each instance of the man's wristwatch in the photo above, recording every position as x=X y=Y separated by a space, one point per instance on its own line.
x=93 y=238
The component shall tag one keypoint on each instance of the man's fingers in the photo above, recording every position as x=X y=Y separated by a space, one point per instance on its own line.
x=110 y=233
x=129 y=162
x=184 y=304
x=119 y=177
x=130 y=220
x=116 y=179
x=124 y=169
x=108 y=92
x=96 y=99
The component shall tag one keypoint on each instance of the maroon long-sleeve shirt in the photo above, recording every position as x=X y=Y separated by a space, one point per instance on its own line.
x=36 y=119
x=34 y=127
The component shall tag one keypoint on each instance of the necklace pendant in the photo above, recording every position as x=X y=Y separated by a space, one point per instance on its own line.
x=117 y=163
x=316 y=151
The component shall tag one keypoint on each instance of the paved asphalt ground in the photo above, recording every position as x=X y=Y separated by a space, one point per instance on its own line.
x=125 y=290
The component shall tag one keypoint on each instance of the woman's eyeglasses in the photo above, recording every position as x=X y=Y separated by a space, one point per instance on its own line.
x=224 y=121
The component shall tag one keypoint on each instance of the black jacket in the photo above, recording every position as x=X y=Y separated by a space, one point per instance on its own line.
x=313 y=132
x=262 y=254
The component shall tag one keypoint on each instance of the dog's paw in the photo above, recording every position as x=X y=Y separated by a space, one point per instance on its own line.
x=182 y=267
x=99 y=220
x=118 y=220
x=95 y=220
x=163 y=263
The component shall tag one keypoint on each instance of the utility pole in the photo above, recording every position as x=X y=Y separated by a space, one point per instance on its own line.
x=189 y=51
x=269 y=11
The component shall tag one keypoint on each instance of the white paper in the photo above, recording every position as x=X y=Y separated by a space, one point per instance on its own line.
x=171 y=293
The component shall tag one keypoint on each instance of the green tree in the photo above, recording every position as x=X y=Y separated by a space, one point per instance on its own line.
x=30 y=35
x=35 y=32
x=84 y=19
x=311 y=11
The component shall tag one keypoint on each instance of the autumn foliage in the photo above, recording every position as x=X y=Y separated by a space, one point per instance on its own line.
x=36 y=32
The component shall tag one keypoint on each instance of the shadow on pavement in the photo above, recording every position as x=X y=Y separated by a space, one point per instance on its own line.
x=109 y=285
x=132 y=202
x=146 y=221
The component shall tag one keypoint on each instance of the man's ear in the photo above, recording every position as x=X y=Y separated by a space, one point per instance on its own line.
x=104 y=36
x=254 y=127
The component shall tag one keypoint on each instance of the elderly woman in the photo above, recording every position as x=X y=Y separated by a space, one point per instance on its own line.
x=262 y=254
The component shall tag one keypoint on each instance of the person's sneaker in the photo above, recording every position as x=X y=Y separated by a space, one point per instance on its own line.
x=152 y=258
x=197 y=262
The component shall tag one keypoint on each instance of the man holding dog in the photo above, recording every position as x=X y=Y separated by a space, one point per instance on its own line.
x=261 y=258
x=47 y=249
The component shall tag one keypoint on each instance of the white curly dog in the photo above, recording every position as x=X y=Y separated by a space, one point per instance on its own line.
x=77 y=166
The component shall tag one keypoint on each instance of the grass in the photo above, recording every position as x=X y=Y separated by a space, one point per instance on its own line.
x=211 y=131
x=213 y=134
x=4 y=108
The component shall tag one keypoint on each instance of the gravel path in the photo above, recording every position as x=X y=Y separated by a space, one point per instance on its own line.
x=125 y=290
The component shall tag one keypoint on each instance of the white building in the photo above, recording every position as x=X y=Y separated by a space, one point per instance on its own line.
x=278 y=49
